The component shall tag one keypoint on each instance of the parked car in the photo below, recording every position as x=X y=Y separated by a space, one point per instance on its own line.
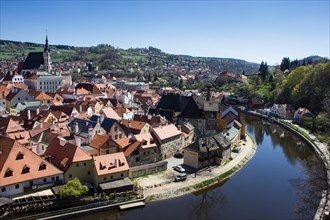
x=179 y=169
x=178 y=155
x=181 y=177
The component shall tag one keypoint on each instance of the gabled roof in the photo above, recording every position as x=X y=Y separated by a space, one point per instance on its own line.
x=110 y=113
x=218 y=141
x=229 y=117
x=40 y=95
x=191 y=110
x=9 y=125
x=45 y=137
x=106 y=124
x=173 y=102
x=146 y=139
x=67 y=109
x=124 y=142
x=14 y=158
x=110 y=163
x=90 y=87
x=99 y=141
x=22 y=137
x=135 y=126
x=167 y=131
x=33 y=60
x=131 y=148
x=154 y=121
x=62 y=156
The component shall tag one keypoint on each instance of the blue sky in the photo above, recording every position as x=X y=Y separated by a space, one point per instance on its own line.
x=249 y=30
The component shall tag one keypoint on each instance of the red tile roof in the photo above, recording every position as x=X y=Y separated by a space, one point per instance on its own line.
x=110 y=163
x=14 y=158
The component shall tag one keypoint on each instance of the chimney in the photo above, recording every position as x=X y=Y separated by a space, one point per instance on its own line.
x=80 y=108
x=62 y=141
x=29 y=114
x=78 y=142
x=129 y=124
x=76 y=127
x=208 y=93
x=38 y=111
x=101 y=117
x=116 y=163
x=149 y=117
x=41 y=125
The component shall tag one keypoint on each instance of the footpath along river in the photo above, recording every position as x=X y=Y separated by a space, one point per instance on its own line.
x=283 y=180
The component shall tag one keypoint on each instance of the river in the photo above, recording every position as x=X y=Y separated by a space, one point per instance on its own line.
x=282 y=181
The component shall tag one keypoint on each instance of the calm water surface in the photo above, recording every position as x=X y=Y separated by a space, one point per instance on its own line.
x=278 y=183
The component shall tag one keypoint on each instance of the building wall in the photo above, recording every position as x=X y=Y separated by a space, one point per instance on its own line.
x=190 y=158
x=108 y=177
x=147 y=169
x=82 y=170
x=14 y=189
x=170 y=146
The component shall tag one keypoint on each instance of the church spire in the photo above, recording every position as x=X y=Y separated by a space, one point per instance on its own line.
x=46 y=49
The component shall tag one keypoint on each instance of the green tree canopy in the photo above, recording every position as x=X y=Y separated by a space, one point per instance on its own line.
x=73 y=189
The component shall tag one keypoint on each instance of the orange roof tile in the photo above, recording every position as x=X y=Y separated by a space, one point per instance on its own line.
x=14 y=158
x=110 y=163
x=57 y=153
x=164 y=132
x=99 y=141
x=124 y=142
x=132 y=148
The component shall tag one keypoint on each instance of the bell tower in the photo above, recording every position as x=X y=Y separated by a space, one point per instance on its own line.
x=46 y=55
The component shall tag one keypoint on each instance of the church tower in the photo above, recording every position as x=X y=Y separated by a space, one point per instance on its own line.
x=46 y=55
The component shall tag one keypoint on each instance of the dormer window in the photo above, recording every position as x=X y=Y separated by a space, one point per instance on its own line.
x=102 y=165
x=20 y=156
x=8 y=173
x=26 y=169
x=42 y=166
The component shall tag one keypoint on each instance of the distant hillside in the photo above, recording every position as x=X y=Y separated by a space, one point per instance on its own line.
x=106 y=57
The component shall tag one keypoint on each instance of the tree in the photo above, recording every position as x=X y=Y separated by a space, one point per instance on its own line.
x=73 y=189
x=263 y=70
x=285 y=64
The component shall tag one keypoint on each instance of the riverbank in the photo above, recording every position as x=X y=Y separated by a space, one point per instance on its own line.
x=162 y=186
x=321 y=151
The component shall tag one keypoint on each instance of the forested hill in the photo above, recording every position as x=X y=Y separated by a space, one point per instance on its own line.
x=106 y=57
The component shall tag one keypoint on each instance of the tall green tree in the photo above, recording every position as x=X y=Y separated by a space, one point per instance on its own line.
x=263 y=70
x=285 y=64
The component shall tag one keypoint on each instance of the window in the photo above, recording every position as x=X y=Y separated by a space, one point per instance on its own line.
x=120 y=136
x=42 y=166
x=111 y=177
x=26 y=98
x=9 y=172
x=53 y=178
x=25 y=169
x=107 y=152
x=17 y=186
x=77 y=165
x=115 y=128
x=89 y=172
x=45 y=180
x=121 y=174
x=116 y=137
x=105 y=178
x=70 y=176
x=3 y=189
x=155 y=151
x=19 y=156
x=84 y=164
x=57 y=178
x=18 y=99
